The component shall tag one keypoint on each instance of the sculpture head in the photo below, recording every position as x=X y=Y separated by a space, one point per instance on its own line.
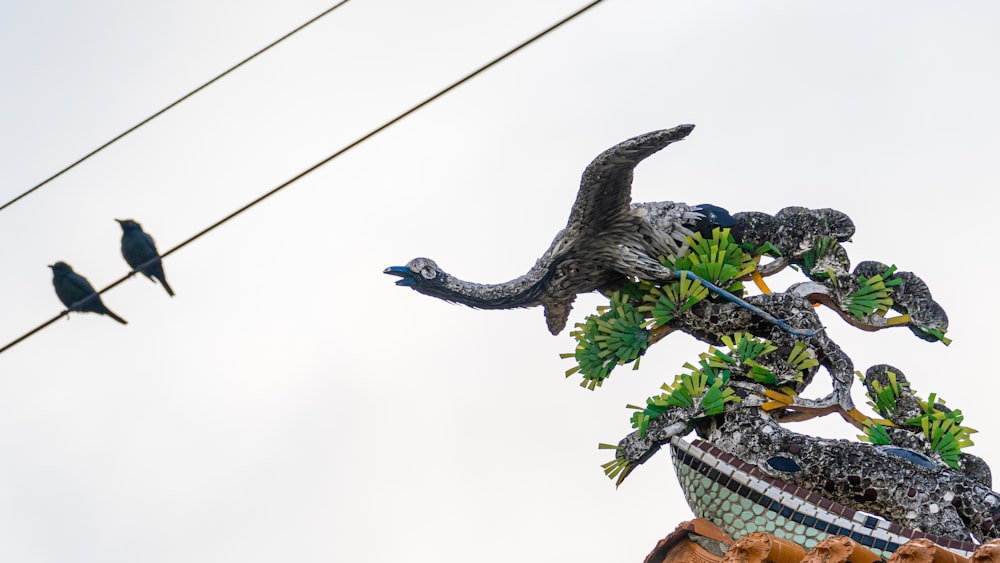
x=422 y=275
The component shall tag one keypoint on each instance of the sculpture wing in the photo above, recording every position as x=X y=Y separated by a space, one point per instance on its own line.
x=606 y=186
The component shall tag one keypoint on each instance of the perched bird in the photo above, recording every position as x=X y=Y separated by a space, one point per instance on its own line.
x=72 y=288
x=607 y=240
x=140 y=252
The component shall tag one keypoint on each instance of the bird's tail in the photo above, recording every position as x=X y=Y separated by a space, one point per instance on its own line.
x=166 y=286
x=111 y=314
x=155 y=272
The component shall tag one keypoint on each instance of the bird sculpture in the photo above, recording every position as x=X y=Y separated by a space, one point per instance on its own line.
x=77 y=294
x=607 y=240
x=140 y=252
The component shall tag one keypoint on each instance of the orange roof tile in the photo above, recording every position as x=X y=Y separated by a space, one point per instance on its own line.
x=700 y=541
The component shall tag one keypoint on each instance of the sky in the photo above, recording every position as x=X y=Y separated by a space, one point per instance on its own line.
x=291 y=403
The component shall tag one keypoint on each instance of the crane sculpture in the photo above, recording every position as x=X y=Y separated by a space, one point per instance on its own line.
x=607 y=241
x=671 y=267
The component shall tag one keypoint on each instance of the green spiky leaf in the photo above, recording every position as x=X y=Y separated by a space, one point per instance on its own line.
x=944 y=430
x=718 y=259
x=884 y=400
x=666 y=302
x=617 y=335
x=876 y=434
x=874 y=296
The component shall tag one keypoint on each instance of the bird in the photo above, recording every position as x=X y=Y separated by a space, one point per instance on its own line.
x=72 y=288
x=606 y=241
x=140 y=252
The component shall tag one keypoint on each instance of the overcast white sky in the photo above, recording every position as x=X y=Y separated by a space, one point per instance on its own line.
x=291 y=403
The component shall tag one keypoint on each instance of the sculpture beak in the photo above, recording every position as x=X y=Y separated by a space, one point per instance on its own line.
x=403 y=272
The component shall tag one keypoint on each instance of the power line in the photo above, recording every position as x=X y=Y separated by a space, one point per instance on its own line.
x=171 y=105
x=326 y=160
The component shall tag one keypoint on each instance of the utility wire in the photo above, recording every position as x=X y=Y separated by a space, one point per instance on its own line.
x=171 y=105
x=314 y=167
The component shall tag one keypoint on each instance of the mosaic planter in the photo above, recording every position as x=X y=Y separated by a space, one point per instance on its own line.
x=740 y=499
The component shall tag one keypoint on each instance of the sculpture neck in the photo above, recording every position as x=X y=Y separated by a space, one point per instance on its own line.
x=524 y=291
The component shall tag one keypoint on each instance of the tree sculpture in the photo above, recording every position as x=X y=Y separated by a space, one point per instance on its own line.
x=906 y=478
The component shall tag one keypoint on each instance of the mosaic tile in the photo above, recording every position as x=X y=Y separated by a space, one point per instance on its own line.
x=747 y=500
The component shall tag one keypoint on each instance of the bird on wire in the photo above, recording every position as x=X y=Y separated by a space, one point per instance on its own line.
x=607 y=240
x=74 y=290
x=140 y=252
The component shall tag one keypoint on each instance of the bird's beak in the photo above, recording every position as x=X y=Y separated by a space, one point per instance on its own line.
x=403 y=272
x=120 y=221
x=52 y=265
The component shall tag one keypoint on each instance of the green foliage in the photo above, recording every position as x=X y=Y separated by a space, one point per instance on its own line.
x=704 y=387
x=875 y=433
x=619 y=468
x=665 y=303
x=704 y=390
x=938 y=334
x=822 y=247
x=617 y=335
x=884 y=401
x=633 y=291
x=619 y=332
x=766 y=249
x=875 y=295
x=802 y=358
x=745 y=349
x=720 y=260
x=944 y=430
x=715 y=398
